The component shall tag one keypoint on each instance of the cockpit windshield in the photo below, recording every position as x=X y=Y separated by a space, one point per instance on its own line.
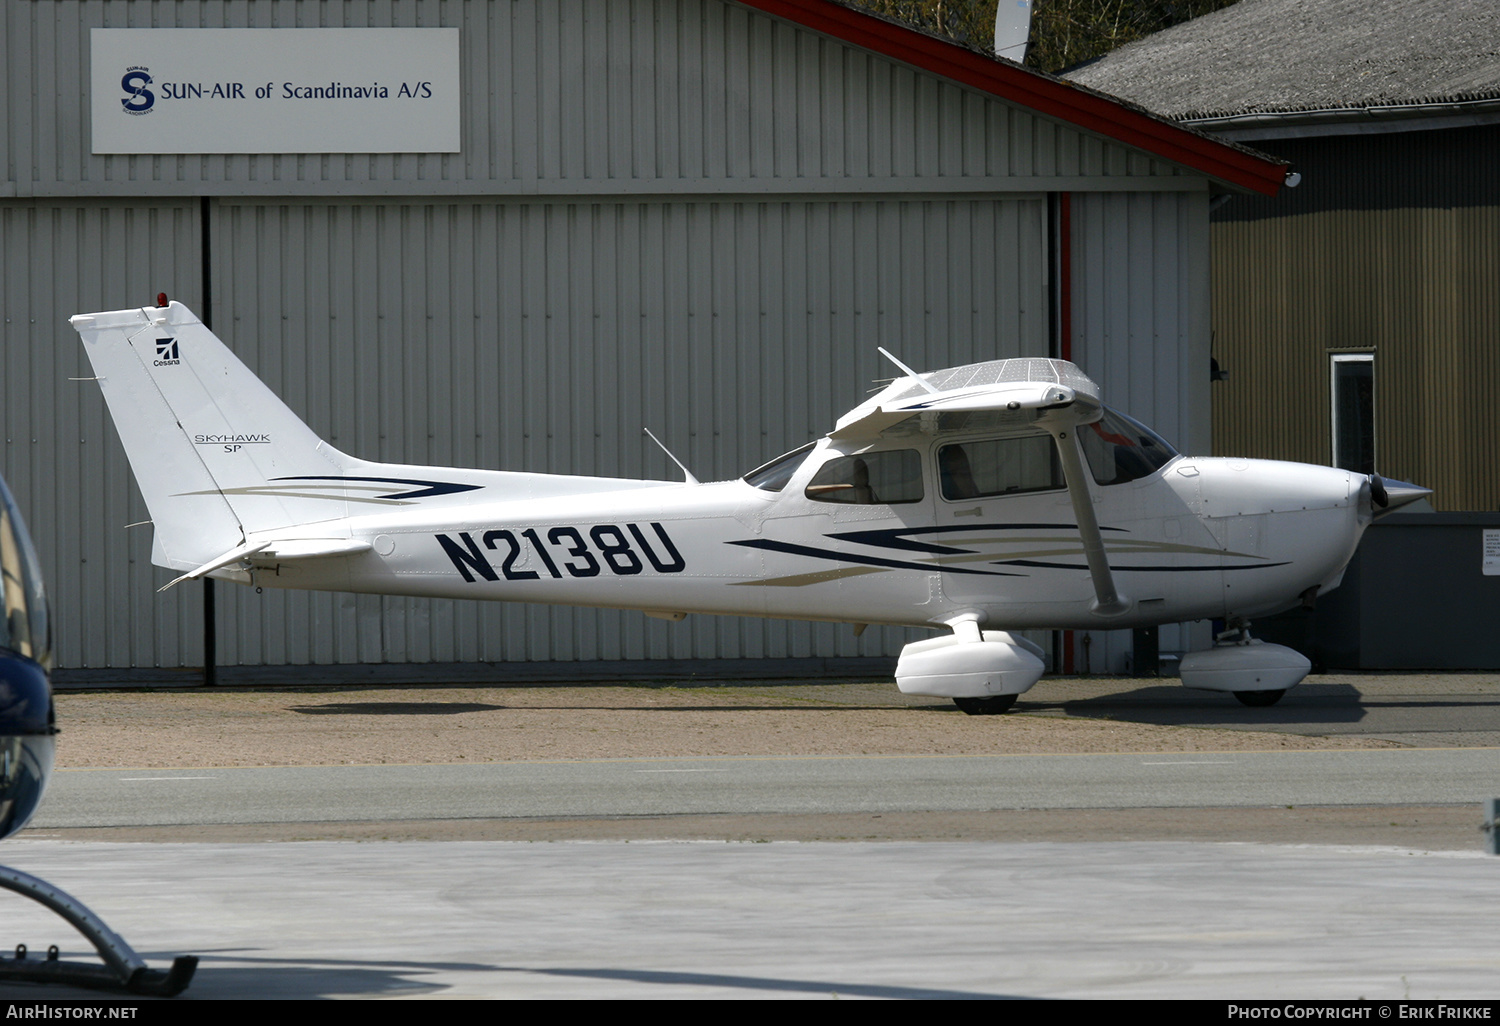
x=1119 y=449
x=773 y=476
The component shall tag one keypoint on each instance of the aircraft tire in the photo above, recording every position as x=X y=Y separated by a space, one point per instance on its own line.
x=991 y=706
x=1259 y=699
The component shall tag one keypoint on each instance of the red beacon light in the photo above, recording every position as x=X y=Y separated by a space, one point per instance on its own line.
x=161 y=299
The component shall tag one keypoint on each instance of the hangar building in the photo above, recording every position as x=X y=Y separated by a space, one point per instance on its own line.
x=1356 y=314
x=698 y=216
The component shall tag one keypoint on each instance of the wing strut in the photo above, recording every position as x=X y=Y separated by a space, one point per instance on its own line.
x=1107 y=600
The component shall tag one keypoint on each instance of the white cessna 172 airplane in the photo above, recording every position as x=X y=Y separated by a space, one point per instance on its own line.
x=992 y=497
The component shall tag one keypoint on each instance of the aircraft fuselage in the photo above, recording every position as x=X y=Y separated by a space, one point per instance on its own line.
x=985 y=498
x=1200 y=538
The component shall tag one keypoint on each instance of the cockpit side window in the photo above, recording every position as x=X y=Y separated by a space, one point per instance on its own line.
x=887 y=478
x=999 y=466
x=773 y=476
x=1119 y=449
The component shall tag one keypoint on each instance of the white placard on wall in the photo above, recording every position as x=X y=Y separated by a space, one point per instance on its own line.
x=326 y=90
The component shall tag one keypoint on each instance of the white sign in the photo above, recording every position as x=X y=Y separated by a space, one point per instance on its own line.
x=1491 y=564
x=357 y=90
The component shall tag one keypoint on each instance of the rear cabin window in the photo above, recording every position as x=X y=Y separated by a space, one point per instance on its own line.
x=1000 y=466
x=871 y=478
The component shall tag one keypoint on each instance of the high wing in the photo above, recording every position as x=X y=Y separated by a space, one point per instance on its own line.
x=271 y=551
x=1041 y=395
x=1054 y=389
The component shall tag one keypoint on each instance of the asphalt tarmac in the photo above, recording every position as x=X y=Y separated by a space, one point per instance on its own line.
x=757 y=786
x=663 y=919
x=1424 y=710
x=1201 y=875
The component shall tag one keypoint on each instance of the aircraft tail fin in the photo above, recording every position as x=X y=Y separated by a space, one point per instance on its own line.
x=216 y=453
x=224 y=464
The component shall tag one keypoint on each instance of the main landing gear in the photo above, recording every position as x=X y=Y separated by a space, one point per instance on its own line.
x=1260 y=699
x=992 y=705
x=982 y=672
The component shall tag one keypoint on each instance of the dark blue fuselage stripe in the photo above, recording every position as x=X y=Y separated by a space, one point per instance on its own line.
x=1113 y=566
x=428 y=489
x=849 y=557
x=899 y=537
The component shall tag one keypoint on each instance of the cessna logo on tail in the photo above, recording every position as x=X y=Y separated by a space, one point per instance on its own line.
x=166 y=353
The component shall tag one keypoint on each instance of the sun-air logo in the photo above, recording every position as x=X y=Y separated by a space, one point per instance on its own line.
x=166 y=353
x=138 y=99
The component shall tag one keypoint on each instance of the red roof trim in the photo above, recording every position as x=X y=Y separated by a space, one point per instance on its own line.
x=1049 y=96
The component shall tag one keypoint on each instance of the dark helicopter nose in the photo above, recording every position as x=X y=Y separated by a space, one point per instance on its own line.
x=1388 y=495
x=26 y=744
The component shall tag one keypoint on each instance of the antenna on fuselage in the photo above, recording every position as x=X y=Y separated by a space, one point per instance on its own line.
x=686 y=472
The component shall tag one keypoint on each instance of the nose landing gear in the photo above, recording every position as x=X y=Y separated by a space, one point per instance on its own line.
x=1256 y=673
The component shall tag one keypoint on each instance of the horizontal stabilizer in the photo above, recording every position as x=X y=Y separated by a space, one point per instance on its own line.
x=313 y=548
x=234 y=555
x=282 y=550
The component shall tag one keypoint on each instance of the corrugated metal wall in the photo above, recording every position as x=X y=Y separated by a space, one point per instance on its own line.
x=569 y=97
x=62 y=459
x=522 y=335
x=1141 y=330
x=669 y=213
x=1393 y=247
x=1140 y=313
x=1419 y=288
x=544 y=336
